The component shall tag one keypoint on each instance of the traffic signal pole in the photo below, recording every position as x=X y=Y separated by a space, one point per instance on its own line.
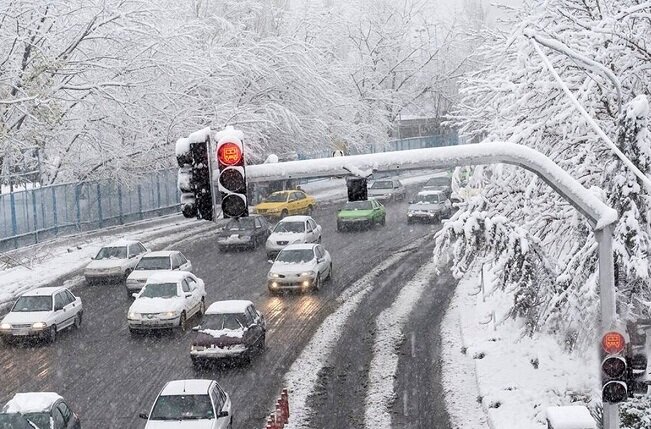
x=601 y=217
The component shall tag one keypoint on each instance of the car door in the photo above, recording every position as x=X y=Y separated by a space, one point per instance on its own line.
x=61 y=316
x=132 y=254
x=309 y=233
x=320 y=261
x=292 y=203
x=189 y=303
x=197 y=294
x=175 y=262
x=254 y=332
x=316 y=230
x=74 y=305
x=69 y=420
x=222 y=404
x=376 y=211
x=58 y=422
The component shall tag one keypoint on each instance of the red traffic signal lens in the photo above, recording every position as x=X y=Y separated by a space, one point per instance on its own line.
x=614 y=366
x=614 y=392
x=229 y=154
x=613 y=342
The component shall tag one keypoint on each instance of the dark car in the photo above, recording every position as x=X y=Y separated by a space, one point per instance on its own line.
x=245 y=232
x=15 y=421
x=440 y=183
x=229 y=329
x=42 y=410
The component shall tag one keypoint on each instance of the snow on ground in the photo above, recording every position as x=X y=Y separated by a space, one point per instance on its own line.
x=390 y=324
x=303 y=374
x=518 y=376
x=50 y=262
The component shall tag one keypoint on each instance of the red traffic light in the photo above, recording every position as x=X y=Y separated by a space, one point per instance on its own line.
x=229 y=153
x=613 y=342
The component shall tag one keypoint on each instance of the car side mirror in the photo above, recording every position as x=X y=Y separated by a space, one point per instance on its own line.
x=132 y=256
x=319 y=260
x=92 y=258
x=270 y=261
x=135 y=294
x=58 y=308
x=222 y=414
x=196 y=328
x=143 y=416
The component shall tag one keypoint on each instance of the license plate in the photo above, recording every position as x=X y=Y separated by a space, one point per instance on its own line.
x=21 y=332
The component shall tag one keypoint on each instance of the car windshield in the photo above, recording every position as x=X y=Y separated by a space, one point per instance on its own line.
x=33 y=303
x=382 y=184
x=245 y=223
x=427 y=199
x=295 y=256
x=18 y=421
x=41 y=420
x=223 y=321
x=182 y=407
x=159 y=290
x=438 y=181
x=154 y=263
x=290 y=227
x=358 y=205
x=276 y=198
x=112 y=253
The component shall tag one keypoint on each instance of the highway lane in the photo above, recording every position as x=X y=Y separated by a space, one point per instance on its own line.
x=110 y=377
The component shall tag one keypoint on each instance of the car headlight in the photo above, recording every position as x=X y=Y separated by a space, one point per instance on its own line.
x=39 y=325
x=308 y=274
x=134 y=315
x=274 y=275
x=5 y=326
x=431 y=214
x=245 y=237
x=169 y=314
x=410 y=213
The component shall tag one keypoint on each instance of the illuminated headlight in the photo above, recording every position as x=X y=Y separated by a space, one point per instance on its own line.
x=306 y=283
x=274 y=275
x=169 y=314
x=39 y=325
x=410 y=214
x=5 y=326
x=431 y=214
x=308 y=274
x=134 y=315
x=274 y=285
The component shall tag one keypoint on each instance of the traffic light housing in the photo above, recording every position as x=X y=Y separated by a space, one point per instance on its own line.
x=232 y=174
x=194 y=178
x=614 y=368
x=636 y=379
x=357 y=188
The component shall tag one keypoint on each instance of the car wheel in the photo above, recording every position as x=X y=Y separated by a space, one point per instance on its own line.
x=319 y=240
x=262 y=344
x=126 y=273
x=309 y=210
x=330 y=272
x=202 y=307
x=183 y=324
x=384 y=220
x=78 y=321
x=129 y=294
x=317 y=283
x=52 y=334
x=133 y=333
x=284 y=214
x=221 y=249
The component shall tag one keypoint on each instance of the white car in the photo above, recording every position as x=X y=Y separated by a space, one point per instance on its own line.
x=41 y=313
x=115 y=261
x=167 y=301
x=387 y=190
x=195 y=404
x=292 y=230
x=155 y=263
x=40 y=410
x=300 y=267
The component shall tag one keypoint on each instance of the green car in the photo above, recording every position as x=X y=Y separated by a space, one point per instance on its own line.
x=360 y=214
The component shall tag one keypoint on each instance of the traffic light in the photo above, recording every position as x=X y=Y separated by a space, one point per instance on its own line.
x=200 y=179
x=357 y=189
x=194 y=178
x=614 y=368
x=232 y=174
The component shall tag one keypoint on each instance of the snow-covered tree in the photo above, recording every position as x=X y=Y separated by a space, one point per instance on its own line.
x=515 y=98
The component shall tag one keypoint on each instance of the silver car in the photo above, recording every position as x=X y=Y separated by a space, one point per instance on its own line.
x=292 y=230
x=385 y=190
x=300 y=267
x=155 y=263
x=429 y=206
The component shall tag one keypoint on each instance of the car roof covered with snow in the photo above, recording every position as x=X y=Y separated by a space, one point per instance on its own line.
x=228 y=306
x=295 y=218
x=44 y=291
x=121 y=243
x=299 y=246
x=167 y=277
x=160 y=253
x=186 y=387
x=31 y=402
x=432 y=192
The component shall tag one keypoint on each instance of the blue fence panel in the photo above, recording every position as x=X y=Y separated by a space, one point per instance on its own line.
x=30 y=216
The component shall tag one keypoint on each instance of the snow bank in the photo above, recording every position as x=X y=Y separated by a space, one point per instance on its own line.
x=518 y=376
x=303 y=374
x=389 y=334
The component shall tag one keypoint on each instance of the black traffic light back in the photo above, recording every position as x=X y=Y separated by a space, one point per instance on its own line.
x=200 y=180
x=357 y=188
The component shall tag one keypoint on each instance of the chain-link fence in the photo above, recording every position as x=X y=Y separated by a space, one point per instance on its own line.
x=33 y=215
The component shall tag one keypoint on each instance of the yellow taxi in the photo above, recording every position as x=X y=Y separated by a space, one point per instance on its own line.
x=285 y=203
